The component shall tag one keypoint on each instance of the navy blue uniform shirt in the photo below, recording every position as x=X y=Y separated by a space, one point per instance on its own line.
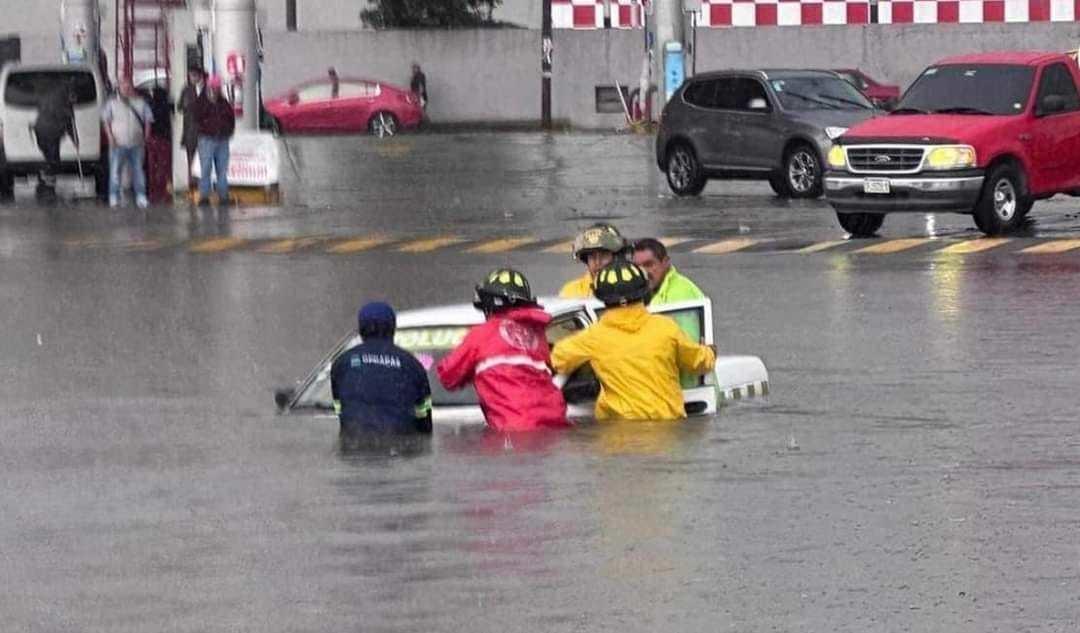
x=381 y=387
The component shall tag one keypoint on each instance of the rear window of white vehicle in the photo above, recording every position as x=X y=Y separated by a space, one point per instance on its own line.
x=30 y=88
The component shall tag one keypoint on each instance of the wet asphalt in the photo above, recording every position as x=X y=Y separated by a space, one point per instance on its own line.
x=915 y=467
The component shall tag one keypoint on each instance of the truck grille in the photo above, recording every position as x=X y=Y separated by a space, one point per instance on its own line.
x=870 y=159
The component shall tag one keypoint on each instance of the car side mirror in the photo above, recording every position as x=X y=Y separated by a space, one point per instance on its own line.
x=1051 y=104
x=294 y=98
x=282 y=397
x=759 y=104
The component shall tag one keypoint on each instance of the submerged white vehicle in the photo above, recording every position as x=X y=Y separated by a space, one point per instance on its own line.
x=430 y=334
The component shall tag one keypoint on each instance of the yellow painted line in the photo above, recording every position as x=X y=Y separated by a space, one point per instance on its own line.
x=357 y=245
x=143 y=245
x=562 y=248
x=821 y=246
x=289 y=245
x=1049 y=248
x=428 y=245
x=974 y=246
x=894 y=246
x=216 y=244
x=674 y=241
x=502 y=245
x=726 y=246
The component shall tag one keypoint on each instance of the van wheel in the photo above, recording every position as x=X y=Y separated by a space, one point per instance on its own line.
x=1002 y=205
x=684 y=175
x=802 y=172
x=860 y=224
x=383 y=124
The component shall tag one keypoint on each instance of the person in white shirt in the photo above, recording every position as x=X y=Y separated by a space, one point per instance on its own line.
x=127 y=120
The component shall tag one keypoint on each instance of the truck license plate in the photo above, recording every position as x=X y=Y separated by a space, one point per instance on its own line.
x=876 y=186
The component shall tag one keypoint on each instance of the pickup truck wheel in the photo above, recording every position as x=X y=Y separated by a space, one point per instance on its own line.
x=1003 y=205
x=861 y=224
x=802 y=172
x=684 y=175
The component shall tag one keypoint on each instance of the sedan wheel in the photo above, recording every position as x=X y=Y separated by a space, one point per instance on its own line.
x=383 y=124
x=803 y=171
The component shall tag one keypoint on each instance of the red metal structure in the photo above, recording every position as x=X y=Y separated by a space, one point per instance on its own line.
x=142 y=36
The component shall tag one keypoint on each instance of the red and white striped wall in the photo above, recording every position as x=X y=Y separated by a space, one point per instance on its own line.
x=589 y=14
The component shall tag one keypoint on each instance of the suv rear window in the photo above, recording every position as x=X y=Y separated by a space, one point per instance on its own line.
x=31 y=88
x=970 y=89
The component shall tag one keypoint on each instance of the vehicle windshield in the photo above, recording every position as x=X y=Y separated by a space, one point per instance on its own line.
x=428 y=344
x=30 y=89
x=819 y=92
x=978 y=89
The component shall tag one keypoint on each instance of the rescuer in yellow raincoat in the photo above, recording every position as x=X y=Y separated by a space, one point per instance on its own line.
x=596 y=247
x=636 y=355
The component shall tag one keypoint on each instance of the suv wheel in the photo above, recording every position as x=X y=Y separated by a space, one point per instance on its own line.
x=802 y=172
x=684 y=171
x=1003 y=205
x=861 y=224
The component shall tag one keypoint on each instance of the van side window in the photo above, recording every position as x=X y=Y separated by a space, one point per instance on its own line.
x=29 y=89
x=1057 y=80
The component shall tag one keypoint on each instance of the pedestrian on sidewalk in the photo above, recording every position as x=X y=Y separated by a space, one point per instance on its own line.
x=418 y=84
x=335 y=83
x=159 y=147
x=217 y=122
x=189 y=136
x=56 y=119
x=127 y=120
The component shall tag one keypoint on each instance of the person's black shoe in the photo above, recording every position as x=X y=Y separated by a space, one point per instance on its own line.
x=204 y=202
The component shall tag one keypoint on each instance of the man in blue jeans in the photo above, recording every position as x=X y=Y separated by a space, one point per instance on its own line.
x=127 y=120
x=216 y=121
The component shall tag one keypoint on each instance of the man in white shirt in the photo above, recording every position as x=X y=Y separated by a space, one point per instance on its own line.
x=127 y=120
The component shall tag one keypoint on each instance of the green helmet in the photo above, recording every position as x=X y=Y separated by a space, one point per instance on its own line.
x=621 y=283
x=598 y=237
x=502 y=288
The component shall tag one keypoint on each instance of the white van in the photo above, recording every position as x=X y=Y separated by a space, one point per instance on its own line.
x=22 y=87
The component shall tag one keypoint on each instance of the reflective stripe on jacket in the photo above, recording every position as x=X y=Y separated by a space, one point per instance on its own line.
x=506 y=359
x=637 y=357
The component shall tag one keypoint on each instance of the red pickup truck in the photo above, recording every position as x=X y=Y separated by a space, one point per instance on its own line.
x=985 y=134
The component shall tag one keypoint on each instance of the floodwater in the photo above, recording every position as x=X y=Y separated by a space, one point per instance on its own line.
x=915 y=468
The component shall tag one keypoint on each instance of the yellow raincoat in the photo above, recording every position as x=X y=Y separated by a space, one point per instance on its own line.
x=580 y=288
x=637 y=357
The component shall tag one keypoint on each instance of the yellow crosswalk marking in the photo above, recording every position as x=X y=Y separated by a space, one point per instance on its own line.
x=821 y=246
x=974 y=246
x=428 y=245
x=280 y=247
x=1055 y=246
x=674 y=241
x=726 y=246
x=562 y=248
x=894 y=246
x=502 y=245
x=358 y=244
x=216 y=244
x=143 y=245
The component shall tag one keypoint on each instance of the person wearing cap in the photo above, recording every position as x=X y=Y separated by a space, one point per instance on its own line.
x=378 y=387
x=217 y=122
x=596 y=247
x=507 y=357
x=636 y=355
x=189 y=136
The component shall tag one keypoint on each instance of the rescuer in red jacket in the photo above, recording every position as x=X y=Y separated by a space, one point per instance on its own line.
x=507 y=358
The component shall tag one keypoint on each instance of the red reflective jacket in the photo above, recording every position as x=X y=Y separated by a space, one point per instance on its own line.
x=507 y=358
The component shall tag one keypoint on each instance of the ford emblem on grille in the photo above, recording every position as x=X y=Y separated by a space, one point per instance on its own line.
x=882 y=158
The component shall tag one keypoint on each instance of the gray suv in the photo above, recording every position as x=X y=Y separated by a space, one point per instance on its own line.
x=775 y=125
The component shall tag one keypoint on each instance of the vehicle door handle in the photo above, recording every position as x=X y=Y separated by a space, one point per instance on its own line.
x=1025 y=138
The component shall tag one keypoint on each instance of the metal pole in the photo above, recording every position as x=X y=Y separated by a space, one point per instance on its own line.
x=546 y=49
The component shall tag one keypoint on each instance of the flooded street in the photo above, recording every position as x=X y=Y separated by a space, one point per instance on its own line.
x=915 y=467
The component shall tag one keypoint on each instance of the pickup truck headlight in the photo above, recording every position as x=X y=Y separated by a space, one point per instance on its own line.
x=837 y=159
x=951 y=157
x=834 y=132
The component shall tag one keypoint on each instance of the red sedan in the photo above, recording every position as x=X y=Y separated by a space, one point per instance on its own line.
x=359 y=105
x=882 y=95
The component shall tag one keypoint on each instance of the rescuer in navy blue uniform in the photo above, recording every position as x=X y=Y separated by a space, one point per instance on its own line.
x=377 y=386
